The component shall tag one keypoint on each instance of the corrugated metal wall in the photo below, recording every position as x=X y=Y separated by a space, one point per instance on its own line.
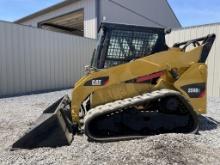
x=33 y=60
x=214 y=56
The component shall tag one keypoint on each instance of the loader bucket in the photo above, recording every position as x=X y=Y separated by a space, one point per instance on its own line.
x=52 y=128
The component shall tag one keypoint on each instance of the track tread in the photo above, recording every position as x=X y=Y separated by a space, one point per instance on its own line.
x=119 y=105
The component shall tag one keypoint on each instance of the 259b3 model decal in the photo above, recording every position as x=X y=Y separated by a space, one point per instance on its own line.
x=195 y=90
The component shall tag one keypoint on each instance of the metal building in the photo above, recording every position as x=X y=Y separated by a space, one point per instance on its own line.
x=33 y=59
x=83 y=17
x=185 y=34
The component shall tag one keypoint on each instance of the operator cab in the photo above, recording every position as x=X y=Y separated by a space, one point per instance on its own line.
x=118 y=44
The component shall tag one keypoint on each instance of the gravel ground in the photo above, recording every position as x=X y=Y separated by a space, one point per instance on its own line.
x=18 y=113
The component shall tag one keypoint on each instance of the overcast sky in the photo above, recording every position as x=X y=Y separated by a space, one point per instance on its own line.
x=189 y=12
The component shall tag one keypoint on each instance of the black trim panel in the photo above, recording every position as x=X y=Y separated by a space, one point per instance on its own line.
x=100 y=81
x=195 y=90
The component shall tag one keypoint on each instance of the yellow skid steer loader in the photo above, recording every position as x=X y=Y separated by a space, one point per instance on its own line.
x=136 y=86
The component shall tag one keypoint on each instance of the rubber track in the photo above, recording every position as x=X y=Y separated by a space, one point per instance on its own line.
x=119 y=105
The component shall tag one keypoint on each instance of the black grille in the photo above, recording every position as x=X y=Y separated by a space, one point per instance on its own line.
x=127 y=45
